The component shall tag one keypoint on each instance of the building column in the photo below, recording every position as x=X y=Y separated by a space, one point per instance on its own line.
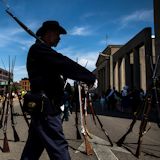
x=123 y=76
x=119 y=74
x=142 y=68
x=136 y=68
x=116 y=77
x=128 y=70
x=148 y=54
x=111 y=71
x=107 y=74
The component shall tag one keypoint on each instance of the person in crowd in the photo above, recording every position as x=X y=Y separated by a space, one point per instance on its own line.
x=111 y=100
x=67 y=102
x=125 y=99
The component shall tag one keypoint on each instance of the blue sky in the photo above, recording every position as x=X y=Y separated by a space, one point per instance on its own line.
x=91 y=26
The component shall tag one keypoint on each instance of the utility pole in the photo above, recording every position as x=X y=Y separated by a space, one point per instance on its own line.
x=156 y=7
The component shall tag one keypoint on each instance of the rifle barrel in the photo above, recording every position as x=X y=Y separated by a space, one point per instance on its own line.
x=24 y=26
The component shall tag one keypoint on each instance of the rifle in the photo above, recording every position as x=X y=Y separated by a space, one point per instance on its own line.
x=24 y=26
x=91 y=107
x=76 y=120
x=147 y=109
x=8 y=96
x=3 y=109
x=88 y=147
x=76 y=104
x=135 y=117
x=21 y=106
x=143 y=125
x=5 y=141
x=84 y=107
x=16 y=137
x=100 y=123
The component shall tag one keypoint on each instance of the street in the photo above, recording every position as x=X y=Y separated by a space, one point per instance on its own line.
x=115 y=127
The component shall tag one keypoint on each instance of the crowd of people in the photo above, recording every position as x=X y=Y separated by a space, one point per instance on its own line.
x=127 y=100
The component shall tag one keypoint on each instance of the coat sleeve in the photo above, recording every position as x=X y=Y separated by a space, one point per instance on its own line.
x=65 y=66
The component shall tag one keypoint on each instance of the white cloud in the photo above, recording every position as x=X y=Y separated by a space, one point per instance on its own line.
x=80 y=31
x=82 y=56
x=13 y=35
x=137 y=16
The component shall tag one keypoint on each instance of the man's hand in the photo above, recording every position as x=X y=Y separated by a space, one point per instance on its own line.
x=94 y=86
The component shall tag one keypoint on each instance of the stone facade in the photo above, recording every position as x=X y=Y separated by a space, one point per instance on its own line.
x=130 y=64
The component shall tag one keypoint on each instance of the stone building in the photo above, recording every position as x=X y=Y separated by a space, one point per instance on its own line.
x=130 y=64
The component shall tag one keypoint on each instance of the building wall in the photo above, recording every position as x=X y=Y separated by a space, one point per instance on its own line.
x=25 y=84
x=4 y=78
x=129 y=64
x=103 y=68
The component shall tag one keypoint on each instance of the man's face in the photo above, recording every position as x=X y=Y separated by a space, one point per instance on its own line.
x=52 y=38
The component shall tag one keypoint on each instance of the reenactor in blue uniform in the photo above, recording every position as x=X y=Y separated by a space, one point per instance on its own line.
x=47 y=70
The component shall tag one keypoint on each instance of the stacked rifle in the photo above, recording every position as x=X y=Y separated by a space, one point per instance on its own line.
x=143 y=112
x=85 y=102
x=6 y=108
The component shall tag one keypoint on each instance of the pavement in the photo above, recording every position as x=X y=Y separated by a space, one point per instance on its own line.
x=115 y=126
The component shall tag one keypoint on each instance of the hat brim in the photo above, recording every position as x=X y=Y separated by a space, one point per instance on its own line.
x=42 y=30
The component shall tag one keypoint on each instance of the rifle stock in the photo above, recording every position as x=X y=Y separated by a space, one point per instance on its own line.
x=91 y=108
x=122 y=139
x=78 y=135
x=5 y=144
x=135 y=117
x=101 y=125
x=143 y=126
x=2 y=116
x=5 y=141
x=88 y=147
x=15 y=134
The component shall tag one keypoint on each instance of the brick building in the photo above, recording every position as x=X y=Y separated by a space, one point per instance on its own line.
x=25 y=84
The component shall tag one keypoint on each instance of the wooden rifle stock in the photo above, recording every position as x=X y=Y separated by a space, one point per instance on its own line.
x=88 y=147
x=91 y=107
x=92 y=112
